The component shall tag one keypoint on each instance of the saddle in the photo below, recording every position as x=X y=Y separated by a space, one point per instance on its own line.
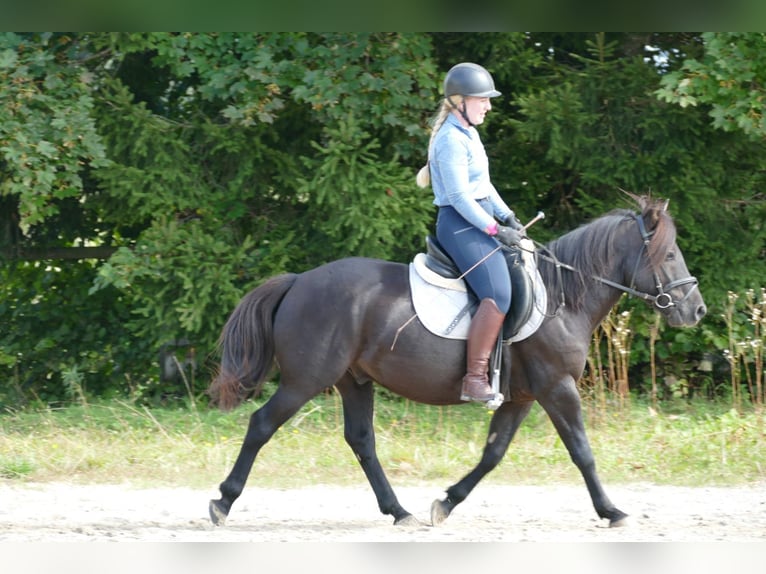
x=445 y=303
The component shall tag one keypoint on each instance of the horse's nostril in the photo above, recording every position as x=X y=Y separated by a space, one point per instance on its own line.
x=701 y=312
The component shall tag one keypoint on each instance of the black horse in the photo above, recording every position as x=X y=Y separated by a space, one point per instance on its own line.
x=334 y=326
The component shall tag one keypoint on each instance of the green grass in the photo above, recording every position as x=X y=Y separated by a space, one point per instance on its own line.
x=117 y=442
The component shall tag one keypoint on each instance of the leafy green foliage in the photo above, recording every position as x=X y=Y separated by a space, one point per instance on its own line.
x=208 y=162
x=52 y=326
x=362 y=205
x=729 y=78
x=231 y=158
x=195 y=270
x=46 y=131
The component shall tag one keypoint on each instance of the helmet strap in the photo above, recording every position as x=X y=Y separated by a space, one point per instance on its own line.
x=461 y=110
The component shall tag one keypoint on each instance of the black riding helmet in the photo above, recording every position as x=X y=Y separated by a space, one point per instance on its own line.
x=467 y=79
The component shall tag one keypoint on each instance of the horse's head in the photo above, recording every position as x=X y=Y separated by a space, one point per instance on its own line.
x=659 y=273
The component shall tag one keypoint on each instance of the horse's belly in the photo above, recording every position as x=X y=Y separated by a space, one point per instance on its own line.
x=426 y=368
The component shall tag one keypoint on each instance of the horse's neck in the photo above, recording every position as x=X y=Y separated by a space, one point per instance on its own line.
x=599 y=306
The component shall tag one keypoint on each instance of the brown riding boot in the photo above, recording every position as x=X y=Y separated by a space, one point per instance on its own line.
x=482 y=336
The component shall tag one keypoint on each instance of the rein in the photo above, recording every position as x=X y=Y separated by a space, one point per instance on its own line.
x=662 y=300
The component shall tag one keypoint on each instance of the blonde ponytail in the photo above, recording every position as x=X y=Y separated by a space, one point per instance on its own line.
x=423 y=178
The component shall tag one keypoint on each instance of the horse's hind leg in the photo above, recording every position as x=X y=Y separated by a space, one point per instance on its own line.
x=263 y=424
x=505 y=423
x=563 y=406
x=359 y=433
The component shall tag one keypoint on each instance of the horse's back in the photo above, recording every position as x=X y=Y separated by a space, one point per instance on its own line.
x=351 y=276
x=337 y=297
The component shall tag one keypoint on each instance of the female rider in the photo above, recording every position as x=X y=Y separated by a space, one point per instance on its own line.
x=469 y=210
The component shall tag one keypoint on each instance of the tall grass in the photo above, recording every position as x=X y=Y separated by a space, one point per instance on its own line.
x=116 y=442
x=747 y=340
x=742 y=348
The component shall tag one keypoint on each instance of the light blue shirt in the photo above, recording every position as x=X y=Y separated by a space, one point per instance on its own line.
x=459 y=170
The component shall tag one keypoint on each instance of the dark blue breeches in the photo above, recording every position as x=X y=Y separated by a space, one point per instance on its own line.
x=466 y=245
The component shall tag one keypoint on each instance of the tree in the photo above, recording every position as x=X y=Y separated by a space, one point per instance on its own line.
x=729 y=79
x=195 y=165
x=47 y=134
x=231 y=157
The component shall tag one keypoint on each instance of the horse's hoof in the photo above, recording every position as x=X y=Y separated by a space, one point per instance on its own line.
x=217 y=513
x=619 y=521
x=439 y=512
x=408 y=520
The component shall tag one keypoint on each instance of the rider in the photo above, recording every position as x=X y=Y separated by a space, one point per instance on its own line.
x=469 y=204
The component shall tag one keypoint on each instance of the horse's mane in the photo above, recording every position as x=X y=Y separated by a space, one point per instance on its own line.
x=590 y=249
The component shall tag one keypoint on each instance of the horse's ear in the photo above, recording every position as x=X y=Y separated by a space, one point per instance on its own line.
x=652 y=212
x=635 y=198
x=665 y=207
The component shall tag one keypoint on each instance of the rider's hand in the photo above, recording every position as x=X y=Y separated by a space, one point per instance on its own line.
x=513 y=222
x=507 y=236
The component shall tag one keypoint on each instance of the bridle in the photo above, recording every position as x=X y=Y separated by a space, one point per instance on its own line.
x=662 y=300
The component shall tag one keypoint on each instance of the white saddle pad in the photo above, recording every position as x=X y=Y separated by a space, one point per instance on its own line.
x=439 y=302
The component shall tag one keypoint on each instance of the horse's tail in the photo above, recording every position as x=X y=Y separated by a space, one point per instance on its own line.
x=246 y=343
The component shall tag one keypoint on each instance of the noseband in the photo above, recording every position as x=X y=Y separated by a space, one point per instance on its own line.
x=663 y=299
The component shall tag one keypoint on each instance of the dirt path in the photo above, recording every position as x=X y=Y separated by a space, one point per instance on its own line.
x=63 y=512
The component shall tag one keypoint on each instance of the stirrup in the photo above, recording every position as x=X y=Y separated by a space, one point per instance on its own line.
x=494 y=403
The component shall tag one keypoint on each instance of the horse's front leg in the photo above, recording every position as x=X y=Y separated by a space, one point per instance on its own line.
x=358 y=401
x=562 y=404
x=505 y=422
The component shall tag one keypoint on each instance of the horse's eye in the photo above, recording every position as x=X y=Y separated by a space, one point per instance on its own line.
x=670 y=256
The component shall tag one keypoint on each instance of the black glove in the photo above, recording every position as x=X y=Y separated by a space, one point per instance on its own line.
x=513 y=222
x=507 y=236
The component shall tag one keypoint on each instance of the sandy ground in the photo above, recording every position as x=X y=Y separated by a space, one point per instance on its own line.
x=557 y=513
